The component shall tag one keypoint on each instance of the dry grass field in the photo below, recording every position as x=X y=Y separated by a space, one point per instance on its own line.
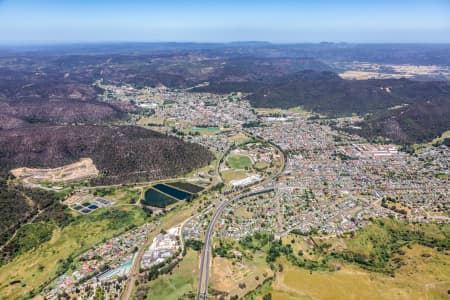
x=233 y=175
x=425 y=275
x=238 y=277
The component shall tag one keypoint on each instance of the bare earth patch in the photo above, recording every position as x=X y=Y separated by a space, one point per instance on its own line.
x=82 y=169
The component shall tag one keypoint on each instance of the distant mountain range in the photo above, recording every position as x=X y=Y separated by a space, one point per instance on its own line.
x=54 y=86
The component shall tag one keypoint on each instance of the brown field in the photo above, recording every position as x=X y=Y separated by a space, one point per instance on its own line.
x=82 y=169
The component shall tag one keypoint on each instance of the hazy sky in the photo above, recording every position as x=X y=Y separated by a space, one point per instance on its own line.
x=25 y=21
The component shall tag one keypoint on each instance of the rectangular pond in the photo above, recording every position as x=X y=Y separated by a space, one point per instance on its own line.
x=157 y=199
x=171 y=191
x=185 y=186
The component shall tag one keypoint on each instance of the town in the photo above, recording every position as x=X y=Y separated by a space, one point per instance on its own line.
x=332 y=182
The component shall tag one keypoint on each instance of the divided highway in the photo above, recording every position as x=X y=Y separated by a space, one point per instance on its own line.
x=202 y=290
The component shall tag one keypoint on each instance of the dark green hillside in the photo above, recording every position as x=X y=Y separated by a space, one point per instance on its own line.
x=419 y=122
x=121 y=153
x=327 y=93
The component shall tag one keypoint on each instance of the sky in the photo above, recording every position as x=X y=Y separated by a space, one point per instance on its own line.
x=278 y=21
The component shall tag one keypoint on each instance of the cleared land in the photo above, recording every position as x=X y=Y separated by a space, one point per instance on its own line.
x=80 y=170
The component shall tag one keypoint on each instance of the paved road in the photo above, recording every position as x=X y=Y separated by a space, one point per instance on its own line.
x=134 y=271
x=202 y=289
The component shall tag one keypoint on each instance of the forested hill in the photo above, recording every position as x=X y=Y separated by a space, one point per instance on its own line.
x=327 y=93
x=121 y=153
x=415 y=123
x=402 y=110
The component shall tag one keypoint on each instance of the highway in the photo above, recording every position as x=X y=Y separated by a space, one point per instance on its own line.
x=206 y=253
x=202 y=290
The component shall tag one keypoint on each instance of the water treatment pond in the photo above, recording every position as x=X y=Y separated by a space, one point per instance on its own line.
x=176 y=193
x=157 y=199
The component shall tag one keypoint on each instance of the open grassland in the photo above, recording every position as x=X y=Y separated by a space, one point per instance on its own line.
x=233 y=175
x=375 y=246
x=32 y=269
x=243 y=212
x=30 y=236
x=387 y=259
x=278 y=295
x=177 y=285
x=204 y=130
x=120 y=195
x=238 y=277
x=425 y=274
x=365 y=75
x=239 y=161
x=240 y=138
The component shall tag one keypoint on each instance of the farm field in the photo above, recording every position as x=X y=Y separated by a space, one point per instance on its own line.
x=25 y=273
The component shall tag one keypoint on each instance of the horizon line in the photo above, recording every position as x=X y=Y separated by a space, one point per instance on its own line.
x=90 y=42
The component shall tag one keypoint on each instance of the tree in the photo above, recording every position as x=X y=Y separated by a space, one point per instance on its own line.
x=267 y=296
